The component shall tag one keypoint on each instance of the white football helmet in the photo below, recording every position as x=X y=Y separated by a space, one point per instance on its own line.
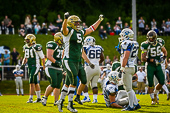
x=108 y=66
x=90 y=40
x=126 y=34
x=113 y=77
x=17 y=67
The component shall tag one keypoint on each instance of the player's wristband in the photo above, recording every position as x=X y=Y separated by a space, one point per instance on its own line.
x=148 y=60
x=93 y=29
x=112 y=102
x=122 y=68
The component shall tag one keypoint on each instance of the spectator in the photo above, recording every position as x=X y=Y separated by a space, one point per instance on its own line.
x=3 y=28
x=107 y=60
x=141 y=75
x=117 y=29
x=59 y=21
x=163 y=25
x=126 y=25
x=29 y=28
x=22 y=30
x=153 y=23
x=53 y=28
x=37 y=28
x=141 y=24
x=168 y=22
x=6 y=20
x=84 y=26
x=155 y=29
x=102 y=33
x=10 y=27
x=109 y=29
x=44 y=29
x=34 y=21
x=167 y=30
x=146 y=29
x=6 y=58
x=27 y=20
x=115 y=58
x=119 y=22
x=15 y=56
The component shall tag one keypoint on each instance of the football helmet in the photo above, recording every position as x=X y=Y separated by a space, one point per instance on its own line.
x=90 y=40
x=30 y=39
x=126 y=34
x=152 y=37
x=58 y=37
x=17 y=67
x=72 y=22
x=113 y=77
x=108 y=66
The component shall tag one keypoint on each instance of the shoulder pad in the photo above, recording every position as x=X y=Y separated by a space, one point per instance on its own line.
x=51 y=45
x=144 y=45
x=98 y=46
x=160 y=40
x=37 y=47
x=111 y=88
x=125 y=44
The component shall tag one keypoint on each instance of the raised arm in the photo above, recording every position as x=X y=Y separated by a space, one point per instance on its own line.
x=64 y=25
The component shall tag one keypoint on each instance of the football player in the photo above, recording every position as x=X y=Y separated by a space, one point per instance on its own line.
x=73 y=38
x=96 y=56
x=151 y=53
x=129 y=52
x=53 y=66
x=18 y=73
x=32 y=54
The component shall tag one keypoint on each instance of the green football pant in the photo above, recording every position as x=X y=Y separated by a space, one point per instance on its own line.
x=33 y=72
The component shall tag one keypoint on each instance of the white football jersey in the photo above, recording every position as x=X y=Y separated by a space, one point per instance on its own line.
x=108 y=89
x=18 y=72
x=93 y=53
x=107 y=71
x=133 y=47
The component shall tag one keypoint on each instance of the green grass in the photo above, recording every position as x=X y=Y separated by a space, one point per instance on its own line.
x=17 y=104
x=108 y=45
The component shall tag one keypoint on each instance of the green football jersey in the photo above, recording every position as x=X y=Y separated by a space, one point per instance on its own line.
x=33 y=59
x=57 y=55
x=153 y=51
x=116 y=66
x=73 y=44
x=160 y=40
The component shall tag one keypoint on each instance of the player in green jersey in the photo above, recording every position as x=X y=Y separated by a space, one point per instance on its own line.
x=73 y=38
x=53 y=66
x=33 y=53
x=151 y=54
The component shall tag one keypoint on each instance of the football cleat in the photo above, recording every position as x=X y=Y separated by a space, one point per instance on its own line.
x=38 y=100
x=128 y=108
x=71 y=108
x=85 y=99
x=95 y=101
x=30 y=100
x=137 y=106
x=59 y=104
x=78 y=100
x=44 y=101
x=168 y=96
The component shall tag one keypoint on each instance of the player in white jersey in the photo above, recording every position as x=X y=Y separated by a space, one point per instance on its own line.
x=96 y=56
x=112 y=96
x=18 y=73
x=129 y=51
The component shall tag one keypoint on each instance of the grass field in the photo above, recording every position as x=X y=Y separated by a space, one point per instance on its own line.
x=17 y=104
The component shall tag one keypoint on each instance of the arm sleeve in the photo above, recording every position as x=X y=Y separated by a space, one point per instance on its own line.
x=40 y=53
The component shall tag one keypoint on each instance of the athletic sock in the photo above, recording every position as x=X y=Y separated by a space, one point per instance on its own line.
x=71 y=93
x=22 y=91
x=131 y=98
x=135 y=99
x=31 y=96
x=86 y=94
x=152 y=95
x=38 y=93
x=146 y=90
x=165 y=88
x=64 y=92
x=17 y=90
x=155 y=91
x=94 y=96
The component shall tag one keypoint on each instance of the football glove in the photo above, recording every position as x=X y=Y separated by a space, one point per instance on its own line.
x=157 y=62
x=58 y=64
x=101 y=17
x=66 y=15
x=22 y=66
x=91 y=65
x=122 y=69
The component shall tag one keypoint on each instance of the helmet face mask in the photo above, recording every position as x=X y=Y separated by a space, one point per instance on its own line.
x=126 y=34
x=151 y=37
x=30 y=39
x=90 y=41
x=58 y=38
x=74 y=22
